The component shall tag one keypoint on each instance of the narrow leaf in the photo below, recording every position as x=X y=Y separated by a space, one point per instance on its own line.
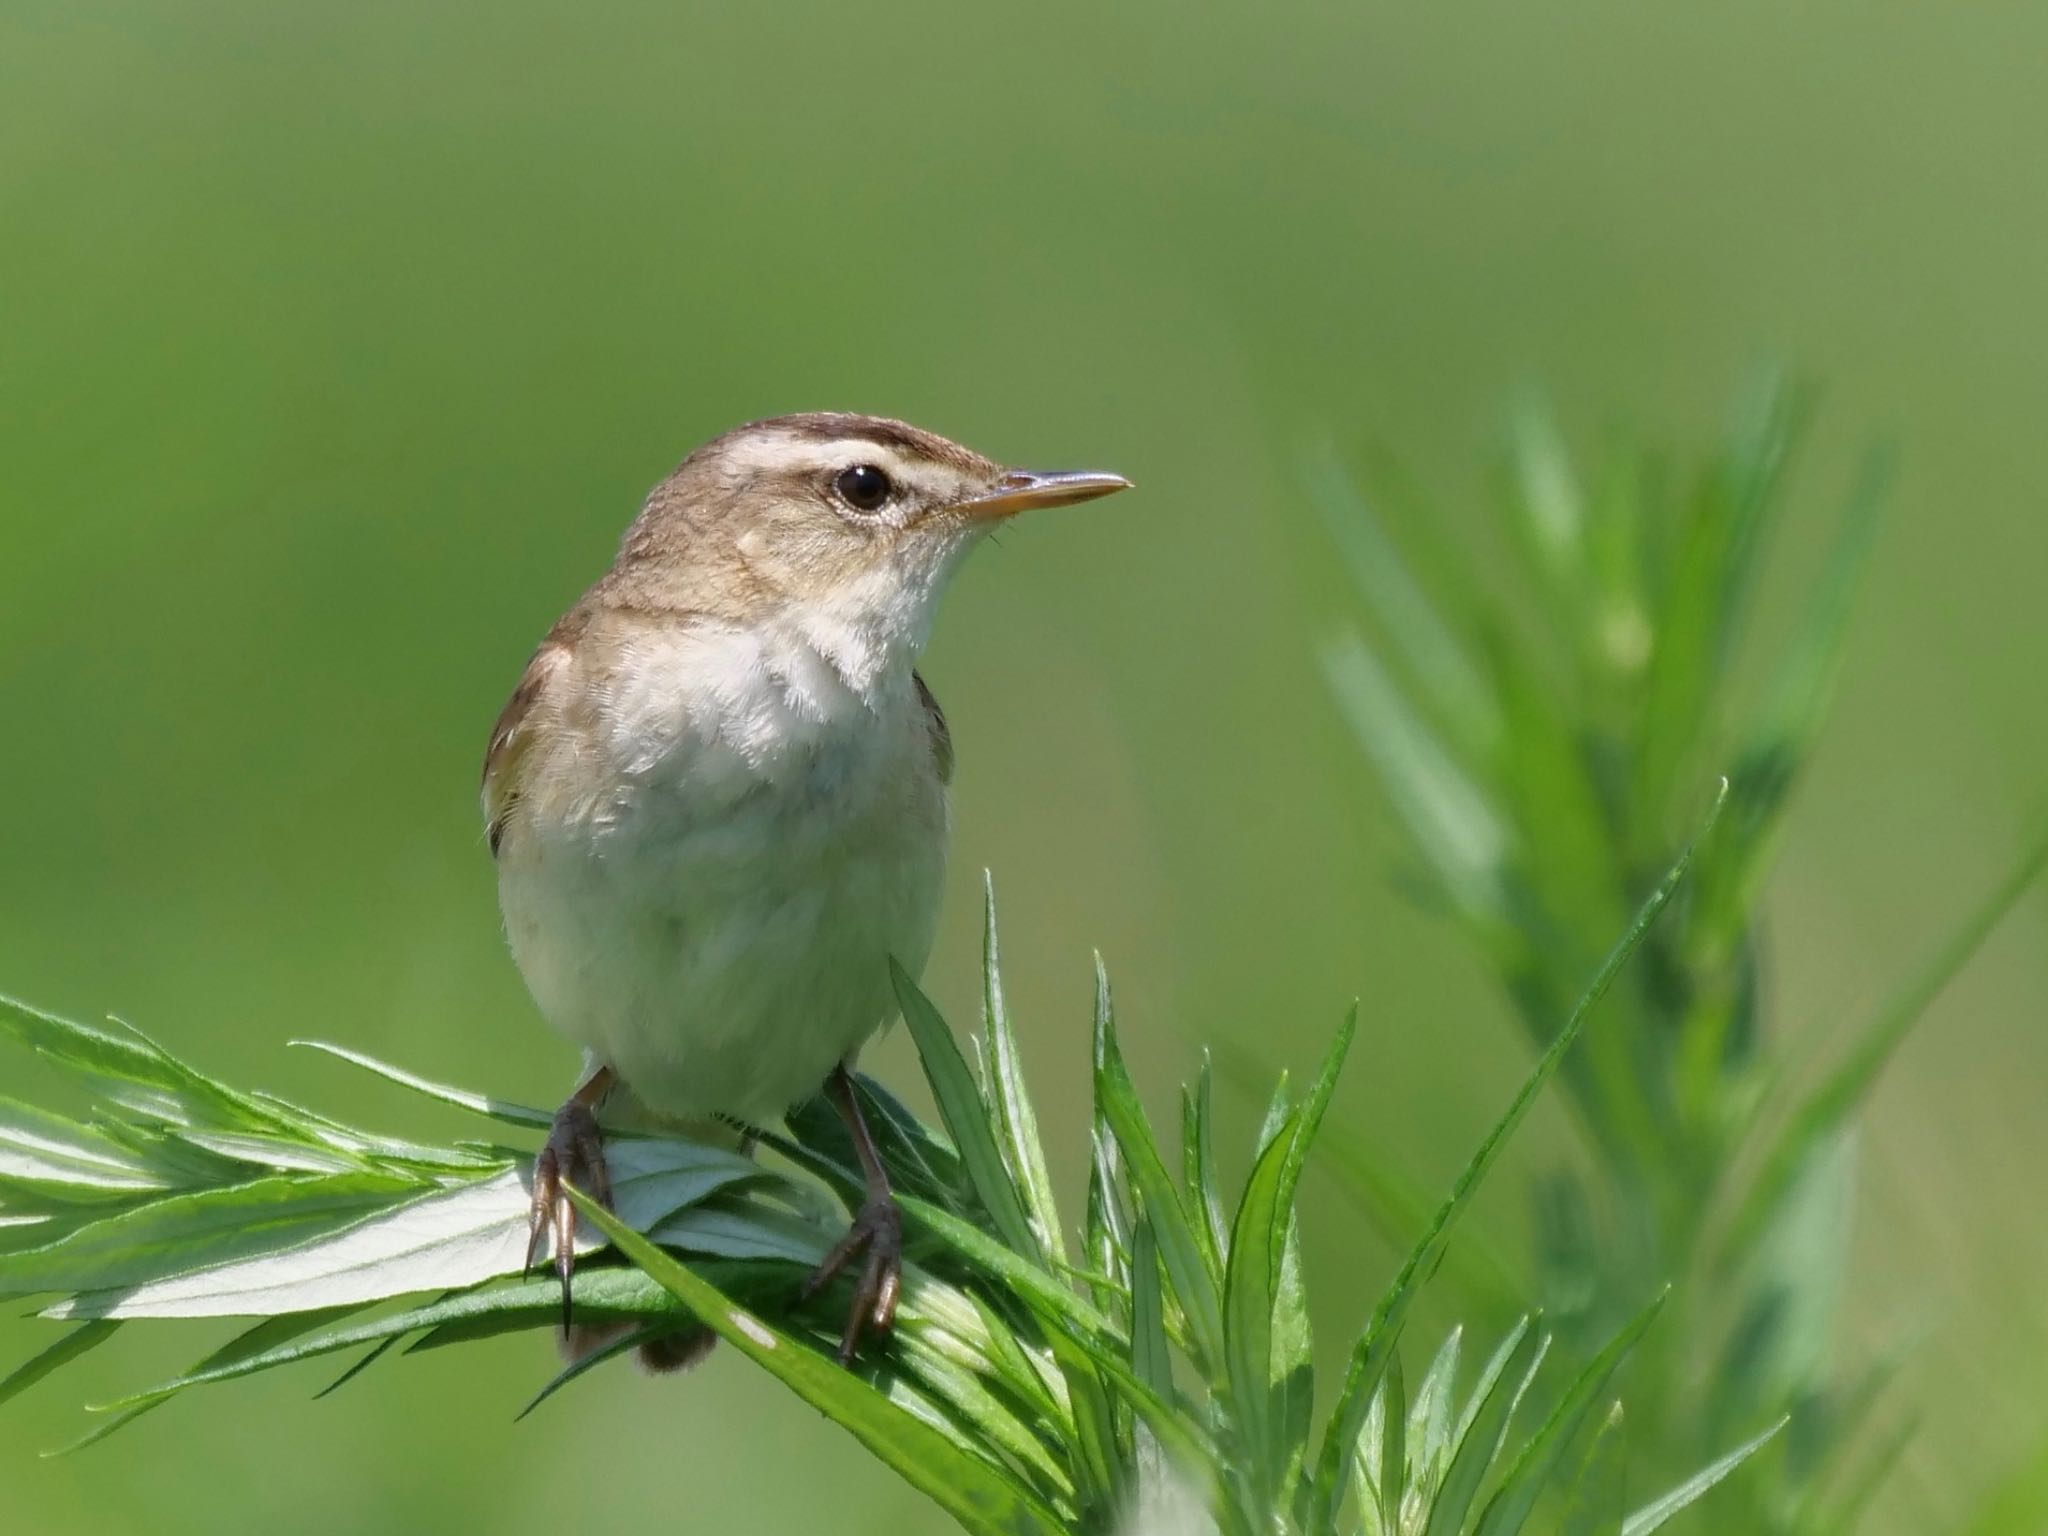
x=1198 y=1168
x=1150 y=1357
x=1248 y=1312
x=982 y=1498
x=967 y=1121
x=1453 y=823
x=1597 y=1486
x=1830 y=1105
x=1653 y=1514
x=72 y=1343
x=1393 y=1445
x=207 y=1228
x=1481 y=1429
x=535 y=1303
x=1023 y=1152
x=461 y=1098
x=45 y=1149
x=1429 y=1416
x=1511 y=1503
x=1369 y=1357
x=439 y=1241
x=1117 y=1100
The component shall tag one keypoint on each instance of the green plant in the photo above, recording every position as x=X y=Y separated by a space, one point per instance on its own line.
x=1543 y=745
x=1149 y=1369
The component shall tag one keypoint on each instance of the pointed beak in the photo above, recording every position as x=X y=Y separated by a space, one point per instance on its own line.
x=1022 y=489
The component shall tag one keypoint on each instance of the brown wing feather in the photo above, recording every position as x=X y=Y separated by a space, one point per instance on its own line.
x=942 y=735
x=513 y=736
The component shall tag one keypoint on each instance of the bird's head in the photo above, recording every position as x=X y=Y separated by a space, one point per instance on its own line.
x=845 y=527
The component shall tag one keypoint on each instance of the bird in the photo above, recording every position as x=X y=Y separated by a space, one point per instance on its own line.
x=717 y=797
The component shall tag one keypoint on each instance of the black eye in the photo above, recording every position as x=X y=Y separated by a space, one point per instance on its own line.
x=863 y=487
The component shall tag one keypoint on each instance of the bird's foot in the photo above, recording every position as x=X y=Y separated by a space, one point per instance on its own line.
x=877 y=1232
x=574 y=1155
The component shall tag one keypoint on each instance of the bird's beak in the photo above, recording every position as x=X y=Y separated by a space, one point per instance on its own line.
x=1022 y=489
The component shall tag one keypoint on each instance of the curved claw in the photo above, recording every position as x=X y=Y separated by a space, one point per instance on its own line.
x=574 y=1155
x=878 y=1232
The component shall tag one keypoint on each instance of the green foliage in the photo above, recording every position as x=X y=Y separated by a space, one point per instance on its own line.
x=1544 y=746
x=1164 y=1383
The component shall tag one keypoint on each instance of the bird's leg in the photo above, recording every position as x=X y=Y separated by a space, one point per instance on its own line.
x=574 y=1154
x=877 y=1230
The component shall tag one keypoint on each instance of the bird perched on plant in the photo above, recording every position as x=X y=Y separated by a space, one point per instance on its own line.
x=717 y=798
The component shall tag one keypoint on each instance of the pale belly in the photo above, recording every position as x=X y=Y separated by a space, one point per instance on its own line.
x=723 y=952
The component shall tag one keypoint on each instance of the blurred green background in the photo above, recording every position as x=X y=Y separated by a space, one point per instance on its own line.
x=337 y=343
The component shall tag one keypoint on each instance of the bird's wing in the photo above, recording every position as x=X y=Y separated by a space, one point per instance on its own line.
x=942 y=735
x=512 y=738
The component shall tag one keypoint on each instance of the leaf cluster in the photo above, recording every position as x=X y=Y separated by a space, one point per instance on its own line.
x=1149 y=1367
x=1543 y=738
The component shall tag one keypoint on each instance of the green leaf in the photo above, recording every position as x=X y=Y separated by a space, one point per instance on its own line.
x=101 y=1430
x=1313 y=1108
x=1481 y=1428
x=1597 y=1486
x=1548 y=497
x=1509 y=1508
x=1066 y=1314
x=1795 y=698
x=134 y=1071
x=601 y=1293
x=362 y=1363
x=967 y=1120
x=1294 y=1381
x=1429 y=1416
x=1375 y=1345
x=1090 y=1426
x=983 y=1498
x=476 y=1103
x=743 y=1233
x=1010 y=1101
x=438 y=1241
x=1198 y=1169
x=1831 y=1104
x=1048 y=1299
x=1029 y=1375
x=1552 y=797
x=23 y=1233
x=1703 y=600
x=53 y=1153
x=68 y=1346
x=1248 y=1312
x=1392 y=1481
x=201 y=1230
x=1180 y=1250
x=1399 y=1209
x=1428 y=650
x=1150 y=1357
x=1454 y=824
x=611 y=1349
x=1788 y=1290
x=1108 y=1220
x=264 y=1336
x=989 y=1422
x=1653 y=1514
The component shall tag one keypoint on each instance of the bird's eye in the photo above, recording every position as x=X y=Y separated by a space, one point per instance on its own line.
x=863 y=487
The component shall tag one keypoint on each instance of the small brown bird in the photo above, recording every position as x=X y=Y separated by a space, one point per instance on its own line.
x=717 y=798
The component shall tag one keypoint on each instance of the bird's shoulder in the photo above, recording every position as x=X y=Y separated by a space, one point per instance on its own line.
x=509 y=756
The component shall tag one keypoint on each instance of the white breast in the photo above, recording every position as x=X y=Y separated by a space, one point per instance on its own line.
x=715 y=916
